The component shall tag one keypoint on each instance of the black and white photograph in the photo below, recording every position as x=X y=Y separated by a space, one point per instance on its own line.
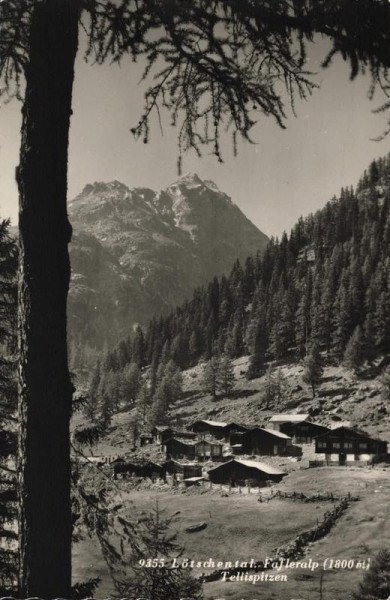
x=195 y=299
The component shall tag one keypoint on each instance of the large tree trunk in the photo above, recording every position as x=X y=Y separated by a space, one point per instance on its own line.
x=45 y=389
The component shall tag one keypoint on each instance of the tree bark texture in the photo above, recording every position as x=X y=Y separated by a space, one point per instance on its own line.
x=45 y=389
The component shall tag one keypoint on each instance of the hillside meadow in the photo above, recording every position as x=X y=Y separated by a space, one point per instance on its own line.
x=239 y=527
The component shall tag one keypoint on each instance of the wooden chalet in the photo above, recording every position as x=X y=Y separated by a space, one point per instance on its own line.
x=214 y=428
x=266 y=442
x=209 y=450
x=185 y=434
x=186 y=470
x=218 y=429
x=139 y=469
x=179 y=448
x=161 y=434
x=304 y=432
x=238 y=472
x=234 y=428
x=202 y=450
x=279 y=422
x=193 y=481
x=346 y=446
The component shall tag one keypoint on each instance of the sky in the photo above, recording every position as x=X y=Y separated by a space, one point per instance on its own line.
x=286 y=174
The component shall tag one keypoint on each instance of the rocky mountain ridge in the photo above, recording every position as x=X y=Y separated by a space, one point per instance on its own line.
x=136 y=253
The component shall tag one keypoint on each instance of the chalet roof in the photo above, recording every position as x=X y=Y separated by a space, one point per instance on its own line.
x=162 y=428
x=273 y=432
x=289 y=418
x=278 y=434
x=349 y=430
x=211 y=442
x=183 y=432
x=261 y=466
x=212 y=423
x=340 y=424
x=234 y=423
x=183 y=463
x=252 y=464
x=184 y=441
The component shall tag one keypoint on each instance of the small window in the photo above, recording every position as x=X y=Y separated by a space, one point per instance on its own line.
x=322 y=444
x=363 y=445
x=348 y=445
x=336 y=445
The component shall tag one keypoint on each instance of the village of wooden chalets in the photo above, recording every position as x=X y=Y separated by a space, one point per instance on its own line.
x=252 y=421
x=235 y=448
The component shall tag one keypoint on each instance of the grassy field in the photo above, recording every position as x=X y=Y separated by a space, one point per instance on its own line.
x=241 y=528
x=359 y=534
x=238 y=527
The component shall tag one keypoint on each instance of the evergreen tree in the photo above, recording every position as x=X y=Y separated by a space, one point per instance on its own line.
x=194 y=346
x=90 y=408
x=154 y=365
x=225 y=303
x=302 y=319
x=317 y=308
x=342 y=326
x=382 y=312
x=124 y=353
x=369 y=325
x=138 y=350
x=225 y=378
x=234 y=345
x=274 y=388
x=280 y=386
x=210 y=334
x=210 y=376
x=166 y=351
x=313 y=369
x=385 y=381
x=168 y=390
x=143 y=402
x=249 y=282
x=105 y=408
x=157 y=542
x=131 y=383
x=180 y=350
x=257 y=359
x=158 y=414
x=282 y=332
x=376 y=581
x=355 y=352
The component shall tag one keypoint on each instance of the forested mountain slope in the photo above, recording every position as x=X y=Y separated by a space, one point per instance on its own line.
x=326 y=284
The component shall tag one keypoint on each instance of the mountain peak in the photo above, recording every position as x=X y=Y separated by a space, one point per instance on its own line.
x=190 y=179
x=143 y=252
x=101 y=187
